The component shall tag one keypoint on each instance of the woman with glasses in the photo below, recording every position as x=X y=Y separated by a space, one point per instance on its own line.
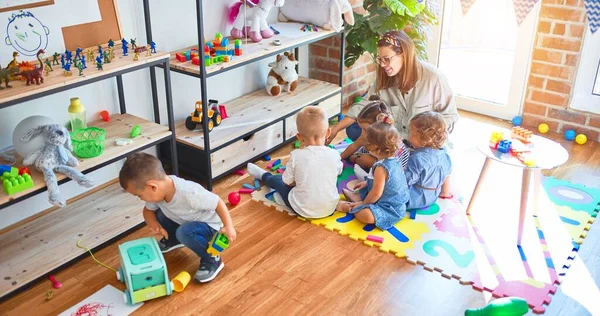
x=406 y=84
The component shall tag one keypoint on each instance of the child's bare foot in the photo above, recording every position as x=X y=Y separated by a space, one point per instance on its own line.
x=351 y=196
x=343 y=207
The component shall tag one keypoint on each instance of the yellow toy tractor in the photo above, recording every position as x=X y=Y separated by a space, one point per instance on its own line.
x=214 y=117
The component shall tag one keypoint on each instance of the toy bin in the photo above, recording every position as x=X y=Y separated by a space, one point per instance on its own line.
x=88 y=142
x=143 y=270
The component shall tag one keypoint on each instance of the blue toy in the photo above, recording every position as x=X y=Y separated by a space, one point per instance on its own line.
x=78 y=53
x=504 y=146
x=68 y=67
x=124 y=46
x=69 y=56
x=153 y=47
x=5 y=168
x=83 y=62
x=62 y=61
x=570 y=134
x=100 y=50
x=517 y=121
x=111 y=43
x=99 y=62
x=340 y=117
x=217 y=244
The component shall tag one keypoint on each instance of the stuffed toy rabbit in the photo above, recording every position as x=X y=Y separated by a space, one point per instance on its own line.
x=55 y=156
x=324 y=13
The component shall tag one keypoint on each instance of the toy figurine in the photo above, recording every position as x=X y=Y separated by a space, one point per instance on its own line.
x=13 y=62
x=124 y=46
x=133 y=44
x=62 y=61
x=111 y=53
x=153 y=47
x=35 y=74
x=46 y=70
x=55 y=58
x=69 y=57
x=99 y=63
x=6 y=74
x=78 y=53
x=111 y=43
x=79 y=66
x=83 y=62
x=100 y=50
x=90 y=55
x=67 y=71
x=136 y=56
x=106 y=58
x=48 y=64
x=148 y=50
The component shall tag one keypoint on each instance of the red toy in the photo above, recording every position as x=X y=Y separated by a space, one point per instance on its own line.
x=180 y=57
x=240 y=172
x=196 y=61
x=234 y=198
x=105 y=116
x=36 y=73
x=223 y=111
x=246 y=191
x=24 y=170
x=55 y=283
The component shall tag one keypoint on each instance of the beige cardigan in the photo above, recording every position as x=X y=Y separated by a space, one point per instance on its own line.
x=431 y=93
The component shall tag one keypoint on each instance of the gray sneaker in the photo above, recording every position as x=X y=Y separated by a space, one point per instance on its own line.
x=166 y=246
x=209 y=270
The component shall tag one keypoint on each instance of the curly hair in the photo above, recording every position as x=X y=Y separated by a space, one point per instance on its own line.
x=383 y=137
x=372 y=110
x=430 y=129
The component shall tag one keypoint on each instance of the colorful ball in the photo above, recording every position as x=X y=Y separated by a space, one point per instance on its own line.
x=234 y=198
x=581 y=139
x=517 y=121
x=543 y=128
x=570 y=134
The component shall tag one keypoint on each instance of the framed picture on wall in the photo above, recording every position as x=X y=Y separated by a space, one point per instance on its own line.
x=13 y=5
x=596 y=89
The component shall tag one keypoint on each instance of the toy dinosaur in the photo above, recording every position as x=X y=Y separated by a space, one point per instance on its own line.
x=36 y=72
x=13 y=62
x=5 y=74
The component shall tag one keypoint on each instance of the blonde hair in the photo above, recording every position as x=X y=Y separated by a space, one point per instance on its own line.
x=311 y=121
x=382 y=137
x=139 y=168
x=375 y=111
x=430 y=129
x=408 y=75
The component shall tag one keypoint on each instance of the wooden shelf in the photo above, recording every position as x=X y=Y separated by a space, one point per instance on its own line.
x=290 y=37
x=49 y=241
x=57 y=81
x=119 y=127
x=254 y=110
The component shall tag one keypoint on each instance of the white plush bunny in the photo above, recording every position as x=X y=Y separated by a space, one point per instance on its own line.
x=324 y=13
x=55 y=156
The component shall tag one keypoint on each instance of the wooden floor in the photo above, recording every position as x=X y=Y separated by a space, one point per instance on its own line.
x=282 y=266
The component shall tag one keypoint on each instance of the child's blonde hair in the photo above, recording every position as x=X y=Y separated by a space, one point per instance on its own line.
x=140 y=168
x=430 y=129
x=382 y=137
x=370 y=113
x=311 y=121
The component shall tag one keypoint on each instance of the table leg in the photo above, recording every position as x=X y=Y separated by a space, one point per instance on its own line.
x=524 y=196
x=537 y=183
x=484 y=170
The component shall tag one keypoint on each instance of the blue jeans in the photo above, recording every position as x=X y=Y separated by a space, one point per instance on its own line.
x=353 y=131
x=275 y=182
x=194 y=235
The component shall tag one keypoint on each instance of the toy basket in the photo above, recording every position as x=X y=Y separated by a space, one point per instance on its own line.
x=88 y=142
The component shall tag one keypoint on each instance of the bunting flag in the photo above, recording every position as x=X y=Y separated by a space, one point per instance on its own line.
x=522 y=9
x=592 y=7
x=466 y=5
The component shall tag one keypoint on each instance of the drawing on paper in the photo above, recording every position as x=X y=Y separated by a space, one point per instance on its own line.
x=107 y=301
x=26 y=34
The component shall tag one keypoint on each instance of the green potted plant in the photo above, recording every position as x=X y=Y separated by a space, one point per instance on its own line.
x=412 y=16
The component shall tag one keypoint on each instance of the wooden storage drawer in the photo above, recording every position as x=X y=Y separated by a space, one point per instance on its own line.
x=242 y=150
x=331 y=106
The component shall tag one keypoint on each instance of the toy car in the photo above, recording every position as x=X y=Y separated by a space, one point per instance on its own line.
x=195 y=118
x=143 y=270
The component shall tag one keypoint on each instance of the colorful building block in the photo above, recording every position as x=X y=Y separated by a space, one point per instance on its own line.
x=375 y=238
x=207 y=61
x=246 y=191
x=504 y=146
x=238 y=52
x=273 y=163
x=226 y=58
x=237 y=43
x=217 y=244
x=196 y=61
x=224 y=42
x=248 y=186
x=5 y=168
x=180 y=57
x=521 y=134
x=240 y=172
x=223 y=111
x=13 y=183
x=274 y=168
x=280 y=170
x=256 y=184
x=209 y=45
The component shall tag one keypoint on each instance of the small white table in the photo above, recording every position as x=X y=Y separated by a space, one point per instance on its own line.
x=548 y=154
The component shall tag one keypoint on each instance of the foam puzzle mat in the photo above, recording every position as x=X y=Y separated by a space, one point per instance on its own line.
x=444 y=240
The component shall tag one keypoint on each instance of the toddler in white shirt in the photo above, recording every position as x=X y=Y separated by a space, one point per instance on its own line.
x=309 y=183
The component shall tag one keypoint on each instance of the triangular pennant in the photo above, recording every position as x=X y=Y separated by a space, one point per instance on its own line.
x=466 y=5
x=592 y=7
x=522 y=9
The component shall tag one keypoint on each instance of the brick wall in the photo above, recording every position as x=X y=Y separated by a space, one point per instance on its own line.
x=557 y=49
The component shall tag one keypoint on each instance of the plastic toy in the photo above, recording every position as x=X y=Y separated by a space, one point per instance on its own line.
x=217 y=244
x=507 y=306
x=143 y=270
x=48 y=64
x=55 y=58
x=283 y=75
x=107 y=58
x=148 y=50
x=77 y=114
x=14 y=184
x=6 y=74
x=133 y=44
x=517 y=121
x=55 y=283
x=153 y=47
x=36 y=73
x=123 y=141
x=88 y=142
x=13 y=62
x=570 y=134
x=297 y=144
x=124 y=46
x=234 y=198
x=100 y=52
x=105 y=116
x=245 y=191
x=181 y=281
x=275 y=167
x=256 y=184
x=111 y=53
x=273 y=163
x=79 y=66
x=237 y=47
x=111 y=43
x=136 y=56
x=581 y=139
x=90 y=55
x=521 y=134
x=23 y=170
x=240 y=172
x=135 y=131
x=68 y=56
x=256 y=11
x=223 y=111
x=99 y=63
x=504 y=146
x=83 y=62
x=270 y=195
x=67 y=70
x=375 y=238
x=277 y=42
x=195 y=117
x=543 y=128
x=78 y=53
x=248 y=186
x=49 y=294
x=267 y=158
x=274 y=30
x=6 y=168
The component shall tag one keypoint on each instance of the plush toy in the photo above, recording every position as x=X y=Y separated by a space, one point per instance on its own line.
x=283 y=74
x=255 y=20
x=55 y=156
x=324 y=13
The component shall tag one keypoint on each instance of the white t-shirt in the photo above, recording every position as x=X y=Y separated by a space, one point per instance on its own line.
x=191 y=203
x=314 y=169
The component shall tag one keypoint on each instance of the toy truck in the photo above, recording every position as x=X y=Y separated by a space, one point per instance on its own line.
x=143 y=270
x=214 y=116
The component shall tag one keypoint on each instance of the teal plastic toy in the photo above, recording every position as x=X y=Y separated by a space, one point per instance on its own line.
x=143 y=270
x=507 y=306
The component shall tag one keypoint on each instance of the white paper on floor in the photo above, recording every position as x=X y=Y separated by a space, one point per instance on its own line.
x=108 y=301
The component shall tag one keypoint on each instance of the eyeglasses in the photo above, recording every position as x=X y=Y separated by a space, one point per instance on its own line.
x=385 y=60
